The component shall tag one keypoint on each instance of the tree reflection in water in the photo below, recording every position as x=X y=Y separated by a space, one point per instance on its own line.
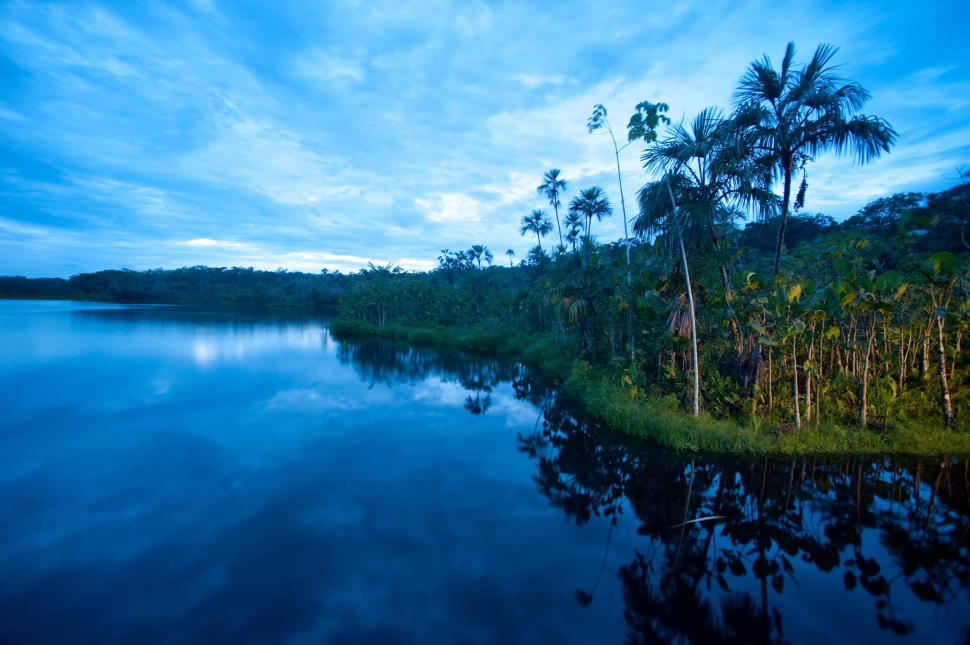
x=780 y=519
x=390 y=363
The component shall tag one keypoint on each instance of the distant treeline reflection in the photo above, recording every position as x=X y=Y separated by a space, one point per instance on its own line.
x=391 y=363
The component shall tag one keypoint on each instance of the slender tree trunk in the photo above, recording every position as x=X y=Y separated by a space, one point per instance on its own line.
x=786 y=199
x=770 y=383
x=864 y=399
x=626 y=236
x=794 y=371
x=558 y=227
x=944 y=385
x=693 y=330
x=626 y=246
x=690 y=298
x=924 y=368
x=808 y=384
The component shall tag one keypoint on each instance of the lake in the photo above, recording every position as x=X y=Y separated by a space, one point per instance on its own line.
x=206 y=475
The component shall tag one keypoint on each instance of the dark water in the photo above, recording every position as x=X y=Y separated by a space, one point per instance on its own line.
x=181 y=475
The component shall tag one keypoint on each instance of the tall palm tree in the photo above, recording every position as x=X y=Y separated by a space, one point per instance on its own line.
x=707 y=177
x=794 y=114
x=551 y=188
x=479 y=252
x=574 y=227
x=713 y=179
x=510 y=253
x=591 y=203
x=536 y=222
x=599 y=122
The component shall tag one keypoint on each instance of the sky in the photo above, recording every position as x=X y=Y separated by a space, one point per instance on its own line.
x=328 y=135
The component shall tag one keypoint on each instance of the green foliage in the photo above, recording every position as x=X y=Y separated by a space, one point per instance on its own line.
x=191 y=285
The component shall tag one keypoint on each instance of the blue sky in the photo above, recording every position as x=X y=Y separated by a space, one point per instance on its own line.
x=301 y=135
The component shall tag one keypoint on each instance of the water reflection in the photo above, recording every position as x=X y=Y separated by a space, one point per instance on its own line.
x=393 y=363
x=737 y=550
x=290 y=488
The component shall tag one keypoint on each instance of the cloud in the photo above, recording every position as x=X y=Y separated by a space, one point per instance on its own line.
x=328 y=68
x=452 y=208
x=204 y=241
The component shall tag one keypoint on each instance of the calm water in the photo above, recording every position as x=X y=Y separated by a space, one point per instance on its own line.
x=183 y=475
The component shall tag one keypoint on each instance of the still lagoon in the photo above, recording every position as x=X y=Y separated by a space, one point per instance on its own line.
x=207 y=475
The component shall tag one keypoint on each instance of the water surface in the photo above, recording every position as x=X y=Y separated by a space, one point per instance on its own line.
x=197 y=475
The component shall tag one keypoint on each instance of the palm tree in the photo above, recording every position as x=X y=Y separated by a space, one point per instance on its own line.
x=536 y=222
x=510 y=253
x=713 y=179
x=793 y=115
x=597 y=122
x=479 y=252
x=591 y=203
x=707 y=179
x=551 y=188
x=574 y=226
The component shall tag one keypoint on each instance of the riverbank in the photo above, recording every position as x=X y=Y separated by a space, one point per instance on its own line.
x=661 y=419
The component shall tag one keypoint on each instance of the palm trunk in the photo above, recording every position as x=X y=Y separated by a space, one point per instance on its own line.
x=808 y=384
x=944 y=385
x=787 y=163
x=864 y=399
x=794 y=370
x=693 y=330
x=626 y=246
x=690 y=298
x=626 y=236
x=558 y=227
x=924 y=366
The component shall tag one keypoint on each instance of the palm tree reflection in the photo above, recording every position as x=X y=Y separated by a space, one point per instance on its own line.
x=783 y=520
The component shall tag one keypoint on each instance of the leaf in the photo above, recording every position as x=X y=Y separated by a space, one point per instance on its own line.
x=849 y=581
x=737 y=567
x=760 y=567
x=794 y=293
x=888 y=281
x=722 y=583
x=785 y=563
x=832 y=332
x=943 y=262
x=778 y=583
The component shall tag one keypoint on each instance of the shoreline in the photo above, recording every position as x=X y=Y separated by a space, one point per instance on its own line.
x=660 y=419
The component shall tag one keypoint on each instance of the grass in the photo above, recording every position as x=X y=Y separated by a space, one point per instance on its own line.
x=661 y=419
x=554 y=361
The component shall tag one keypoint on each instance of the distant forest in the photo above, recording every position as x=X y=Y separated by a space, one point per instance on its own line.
x=188 y=285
